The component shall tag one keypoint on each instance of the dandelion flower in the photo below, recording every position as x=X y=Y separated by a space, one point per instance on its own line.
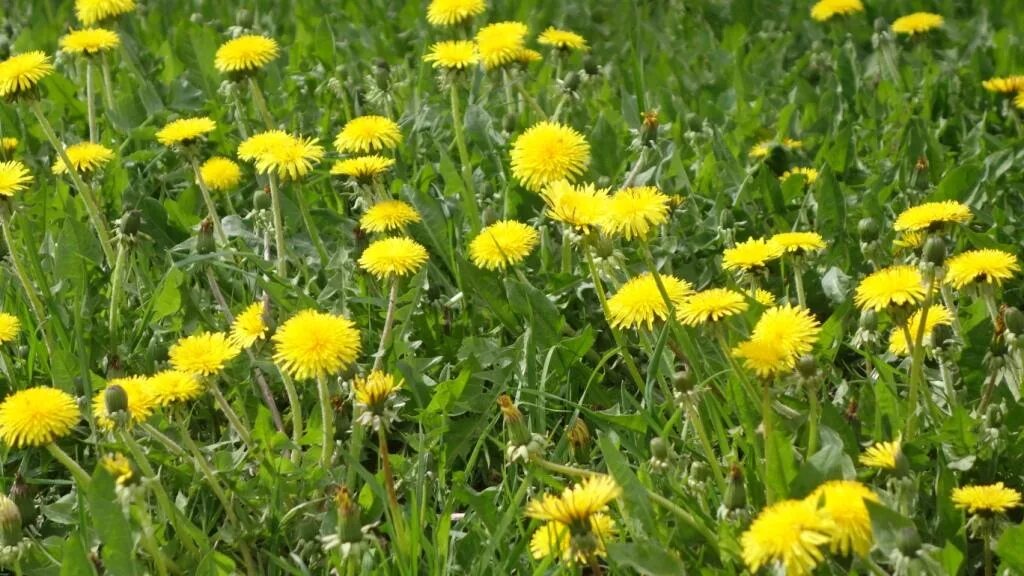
x=632 y=212
x=249 y=326
x=85 y=157
x=453 y=55
x=1005 y=84
x=548 y=152
x=37 y=416
x=245 y=54
x=764 y=357
x=371 y=393
x=14 y=177
x=499 y=43
x=931 y=215
x=562 y=39
x=171 y=386
x=751 y=255
x=764 y=148
x=810 y=175
x=503 y=244
x=393 y=257
x=917 y=23
x=554 y=540
x=1018 y=100
x=314 y=344
x=883 y=455
x=793 y=328
x=90 y=41
x=576 y=503
x=790 y=534
x=368 y=134
x=140 y=402
x=21 y=73
x=764 y=297
x=527 y=56
x=938 y=315
x=362 y=168
x=640 y=302
x=291 y=158
x=10 y=327
x=451 y=12
x=8 y=144
x=710 y=306
x=185 y=131
x=220 y=173
x=981 y=266
x=388 y=215
x=90 y=12
x=909 y=240
x=825 y=10
x=900 y=285
x=798 y=242
x=119 y=467
x=843 y=502
x=203 y=354
x=985 y=500
x=256 y=147
x=580 y=206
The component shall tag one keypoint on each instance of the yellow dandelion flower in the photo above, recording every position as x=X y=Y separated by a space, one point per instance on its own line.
x=255 y=147
x=577 y=503
x=119 y=467
x=368 y=134
x=503 y=244
x=798 y=242
x=140 y=402
x=362 y=167
x=554 y=540
x=499 y=43
x=90 y=41
x=789 y=534
x=793 y=328
x=1018 y=100
x=451 y=12
x=938 y=315
x=37 y=416
x=85 y=157
x=987 y=266
x=909 y=240
x=751 y=255
x=763 y=148
x=526 y=56
x=8 y=144
x=548 y=152
x=10 y=327
x=203 y=354
x=917 y=23
x=245 y=54
x=825 y=10
x=634 y=211
x=393 y=257
x=21 y=73
x=184 y=131
x=710 y=306
x=1005 y=84
x=842 y=501
x=764 y=297
x=315 y=344
x=764 y=357
x=883 y=455
x=291 y=158
x=900 y=285
x=14 y=177
x=453 y=55
x=810 y=175
x=220 y=173
x=580 y=206
x=932 y=214
x=562 y=39
x=388 y=215
x=90 y=12
x=249 y=326
x=639 y=302
x=373 y=392
x=986 y=500
x=171 y=386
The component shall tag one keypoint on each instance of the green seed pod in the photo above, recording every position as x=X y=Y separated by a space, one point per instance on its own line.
x=10 y=522
x=934 y=251
x=807 y=366
x=867 y=228
x=115 y=399
x=736 y=491
x=205 y=243
x=659 y=448
x=261 y=200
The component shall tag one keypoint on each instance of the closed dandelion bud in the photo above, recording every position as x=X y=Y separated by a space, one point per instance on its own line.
x=727 y=220
x=649 y=127
x=934 y=251
x=10 y=522
x=659 y=449
x=131 y=221
x=867 y=228
x=1014 y=320
x=994 y=416
x=115 y=399
x=571 y=82
x=514 y=424
x=5 y=47
x=261 y=200
x=868 y=320
x=350 y=522
x=942 y=337
x=736 y=490
x=604 y=246
x=591 y=65
x=682 y=380
x=579 y=435
x=381 y=74
x=908 y=541
x=508 y=123
x=243 y=17
x=489 y=216
x=196 y=18
x=24 y=496
x=807 y=366
x=205 y=244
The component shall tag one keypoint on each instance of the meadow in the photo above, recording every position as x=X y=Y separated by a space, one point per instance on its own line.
x=478 y=287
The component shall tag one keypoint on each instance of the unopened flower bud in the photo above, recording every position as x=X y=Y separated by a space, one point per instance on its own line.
x=579 y=434
x=867 y=228
x=381 y=74
x=514 y=424
x=508 y=123
x=604 y=246
x=869 y=320
x=350 y=522
x=682 y=380
x=736 y=491
x=659 y=449
x=571 y=82
x=205 y=243
x=649 y=127
x=23 y=495
x=1014 y=320
x=591 y=65
x=807 y=365
x=10 y=522
x=261 y=199
x=778 y=159
x=934 y=251
x=115 y=399
x=131 y=222
x=943 y=337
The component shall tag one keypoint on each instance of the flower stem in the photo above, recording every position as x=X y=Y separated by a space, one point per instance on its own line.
x=634 y=372
x=296 y=406
x=162 y=438
x=90 y=102
x=987 y=547
x=469 y=189
x=148 y=541
x=116 y=278
x=211 y=208
x=705 y=441
x=947 y=299
x=640 y=161
x=766 y=422
x=232 y=416
x=275 y=197
x=389 y=323
x=812 y=419
x=389 y=476
x=19 y=270
x=108 y=85
x=327 y=416
x=261 y=103
x=80 y=475
x=798 y=281
x=566 y=251
x=917 y=357
x=314 y=235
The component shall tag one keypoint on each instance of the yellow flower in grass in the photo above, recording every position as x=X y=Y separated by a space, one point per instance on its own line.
x=793 y=328
x=987 y=266
x=527 y=56
x=503 y=244
x=249 y=326
x=388 y=215
x=917 y=23
x=185 y=131
x=810 y=175
x=362 y=167
x=548 y=152
x=292 y=158
x=710 y=306
x=499 y=43
x=10 y=327
x=763 y=148
x=581 y=206
x=751 y=255
x=21 y=73
x=8 y=144
x=368 y=134
x=1018 y=100
x=931 y=215
x=576 y=503
x=825 y=10
x=555 y=540
x=632 y=212
x=883 y=455
x=37 y=416
x=393 y=257
x=764 y=297
x=245 y=54
x=90 y=12
x=562 y=39
x=909 y=241
x=639 y=302
x=1005 y=84
x=789 y=534
x=85 y=157
x=842 y=501
x=255 y=147
x=315 y=344
x=14 y=177
x=798 y=242
x=171 y=386
x=90 y=41
x=576 y=524
x=451 y=12
x=938 y=315
x=203 y=354
x=118 y=466
x=220 y=173
x=900 y=285
x=986 y=500
x=764 y=357
x=453 y=55
x=141 y=402
x=373 y=392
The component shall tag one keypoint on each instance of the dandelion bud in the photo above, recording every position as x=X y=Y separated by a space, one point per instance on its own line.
x=591 y=66
x=942 y=337
x=934 y=251
x=736 y=490
x=131 y=221
x=908 y=541
x=350 y=522
x=867 y=228
x=508 y=123
x=489 y=216
x=869 y=320
x=115 y=399
x=381 y=74
x=1014 y=320
x=807 y=366
x=571 y=82
x=5 y=47
x=24 y=496
x=205 y=243
x=659 y=449
x=10 y=522
x=243 y=18
x=261 y=199
x=579 y=434
x=514 y=423
x=649 y=127
x=682 y=380
x=604 y=245
x=727 y=220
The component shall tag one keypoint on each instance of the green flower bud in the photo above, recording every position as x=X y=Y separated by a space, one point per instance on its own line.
x=261 y=199
x=350 y=522
x=1014 y=320
x=649 y=127
x=869 y=320
x=659 y=449
x=867 y=228
x=10 y=522
x=943 y=337
x=807 y=365
x=131 y=221
x=115 y=399
x=24 y=496
x=682 y=380
x=934 y=251
x=778 y=159
x=205 y=243
x=591 y=66
x=571 y=82
x=736 y=491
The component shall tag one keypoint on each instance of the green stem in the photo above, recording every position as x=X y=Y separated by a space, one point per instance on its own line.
x=640 y=161
x=314 y=235
x=634 y=372
x=108 y=85
x=327 y=417
x=469 y=190
x=296 y=406
x=19 y=270
x=947 y=382
x=705 y=441
x=987 y=547
x=917 y=359
x=148 y=541
x=80 y=475
x=162 y=438
x=228 y=411
x=90 y=102
x=211 y=208
x=566 y=251
x=812 y=420
x=530 y=99
x=389 y=323
x=389 y=476
x=116 y=278
x=275 y=197
x=261 y=103
x=947 y=299
x=766 y=422
x=798 y=281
